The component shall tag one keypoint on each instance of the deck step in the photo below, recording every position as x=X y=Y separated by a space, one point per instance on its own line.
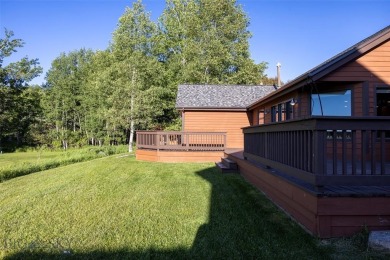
x=224 y=169
x=229 y=163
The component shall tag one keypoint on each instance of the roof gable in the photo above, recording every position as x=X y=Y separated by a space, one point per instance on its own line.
x=332 y=64
x=219 y=96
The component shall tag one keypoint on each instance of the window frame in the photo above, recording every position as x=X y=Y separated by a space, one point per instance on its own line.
x=329 y=91
x=383 y=87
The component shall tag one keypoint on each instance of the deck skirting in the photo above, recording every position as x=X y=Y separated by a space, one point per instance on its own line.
x=178 y=156
x=324 y=213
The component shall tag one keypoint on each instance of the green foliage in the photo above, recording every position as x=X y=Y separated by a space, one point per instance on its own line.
x=16 y=74
x=65 y=95
x=103 y=97
x=207 y=42
x=137 y=70
x=19 y=103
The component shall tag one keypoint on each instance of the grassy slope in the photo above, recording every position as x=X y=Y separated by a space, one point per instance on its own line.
x=21 y=163
x=120 y=208
x=10 y=159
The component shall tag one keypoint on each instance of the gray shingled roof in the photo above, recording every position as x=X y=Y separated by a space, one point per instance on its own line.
x=219 y=96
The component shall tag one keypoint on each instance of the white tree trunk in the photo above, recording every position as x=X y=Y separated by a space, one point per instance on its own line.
x=131 y=137
x=132 y=130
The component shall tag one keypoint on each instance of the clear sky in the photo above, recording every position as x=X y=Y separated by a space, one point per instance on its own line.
x=298 y=34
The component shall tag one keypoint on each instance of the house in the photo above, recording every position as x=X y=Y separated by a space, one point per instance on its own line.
x=219 y=108
x=212 y=120
x=319 y=147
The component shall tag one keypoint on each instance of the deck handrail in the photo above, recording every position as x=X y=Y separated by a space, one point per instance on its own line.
x=181 y=141
x=324 y=150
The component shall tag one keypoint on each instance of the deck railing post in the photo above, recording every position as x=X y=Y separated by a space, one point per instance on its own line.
x=319 y=153
x=324 y=150
x=265 y=145
x=176 y=141
x=157 y=141
x=187 y=141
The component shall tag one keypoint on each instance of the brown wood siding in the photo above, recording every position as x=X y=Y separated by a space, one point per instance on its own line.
x=358 y=98
x=304 y=106
x=347 y=216
x=219 y=121
x=373 y=70
x=255 y=116
x=300 y=205
x=370 y=71
x=300 y=109
x=374 y=66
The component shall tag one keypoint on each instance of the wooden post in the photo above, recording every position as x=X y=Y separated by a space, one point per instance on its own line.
x=319 y=153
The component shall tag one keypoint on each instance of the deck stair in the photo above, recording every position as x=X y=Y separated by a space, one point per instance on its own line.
x=227 y=165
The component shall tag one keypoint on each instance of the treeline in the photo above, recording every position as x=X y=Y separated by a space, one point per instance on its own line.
x=104 y=96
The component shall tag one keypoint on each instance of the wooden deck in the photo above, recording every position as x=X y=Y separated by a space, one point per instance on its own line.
x=160 y=146
x=327 y=211
x=181 y=141
x=325 y=150
x=178 y=156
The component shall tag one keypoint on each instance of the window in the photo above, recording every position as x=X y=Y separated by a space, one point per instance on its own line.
x=383 y=102
x=337 y=103
x=282 y=112
x=289 y=110
x=274 y=114
x=383 y=105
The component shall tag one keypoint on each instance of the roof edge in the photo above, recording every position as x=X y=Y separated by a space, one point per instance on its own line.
x=212 y=108
x=328 y=66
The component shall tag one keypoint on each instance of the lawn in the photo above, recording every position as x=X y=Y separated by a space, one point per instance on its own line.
x=21 y=163
x=119 y=208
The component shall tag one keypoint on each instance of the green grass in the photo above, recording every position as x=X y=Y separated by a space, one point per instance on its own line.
x=21 y=163
x=119 y=208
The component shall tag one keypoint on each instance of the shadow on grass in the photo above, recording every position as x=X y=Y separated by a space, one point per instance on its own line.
x=242 y=224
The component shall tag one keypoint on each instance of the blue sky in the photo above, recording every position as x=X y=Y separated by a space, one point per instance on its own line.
x=298 y=34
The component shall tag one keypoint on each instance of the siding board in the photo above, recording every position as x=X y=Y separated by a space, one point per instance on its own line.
x=219 y=121
x=372 y=67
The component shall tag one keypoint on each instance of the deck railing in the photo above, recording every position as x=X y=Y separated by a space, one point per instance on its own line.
x=184 y=141
x=324 y=150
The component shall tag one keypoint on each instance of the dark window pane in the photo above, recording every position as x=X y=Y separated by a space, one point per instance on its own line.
x=332 y=103
x=383 y=102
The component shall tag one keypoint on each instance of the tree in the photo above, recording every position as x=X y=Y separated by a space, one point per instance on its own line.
x=66 y=80
x=96 y=102
x=136 y=67
x=206 y=41
x=17 y=106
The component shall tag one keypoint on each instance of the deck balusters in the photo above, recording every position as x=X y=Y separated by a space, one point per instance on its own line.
x=324 y=150
x=190 y=141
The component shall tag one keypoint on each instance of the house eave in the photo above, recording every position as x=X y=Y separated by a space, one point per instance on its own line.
x=236 y=109
x=322 y=71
